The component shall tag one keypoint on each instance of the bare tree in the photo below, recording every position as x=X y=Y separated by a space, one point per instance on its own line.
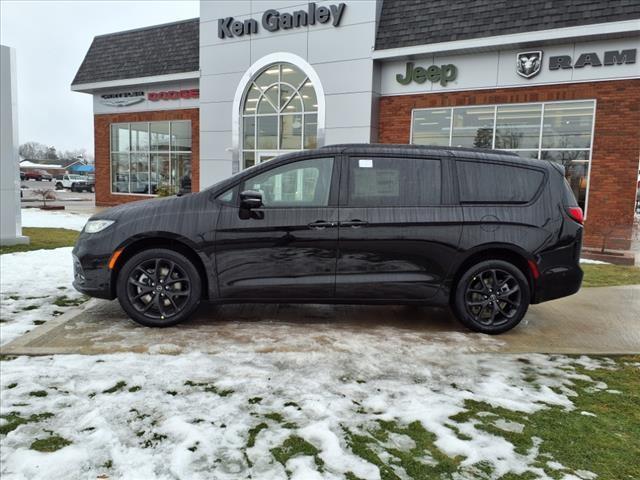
x=46 y=194
x=33 y=151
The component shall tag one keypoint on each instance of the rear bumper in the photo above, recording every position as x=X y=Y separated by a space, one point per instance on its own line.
x=560 y=273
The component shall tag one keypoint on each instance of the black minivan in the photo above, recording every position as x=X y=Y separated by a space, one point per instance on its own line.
x=486 y=232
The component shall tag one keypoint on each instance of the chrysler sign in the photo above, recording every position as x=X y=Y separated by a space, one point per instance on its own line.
x=122 y=99
x=273 y=20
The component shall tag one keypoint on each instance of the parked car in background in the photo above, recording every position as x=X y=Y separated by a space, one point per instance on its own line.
x=484 y=232
x=76 y=183
x=22 y=175
x=38 y=175
x=91 y=180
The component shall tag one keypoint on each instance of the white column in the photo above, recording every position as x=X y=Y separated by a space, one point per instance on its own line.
x=10 y=221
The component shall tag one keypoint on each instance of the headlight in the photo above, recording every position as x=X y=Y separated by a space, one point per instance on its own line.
x=95 y=226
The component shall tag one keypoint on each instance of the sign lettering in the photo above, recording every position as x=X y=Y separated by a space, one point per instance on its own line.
x=273 y=20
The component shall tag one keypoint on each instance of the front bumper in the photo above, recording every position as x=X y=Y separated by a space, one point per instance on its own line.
x=91 y=274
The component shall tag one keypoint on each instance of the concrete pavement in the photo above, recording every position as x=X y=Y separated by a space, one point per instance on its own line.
x=594 y=321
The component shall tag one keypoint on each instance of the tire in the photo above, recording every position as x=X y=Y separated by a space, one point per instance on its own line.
x=140 y=292
x=59 y=186
x=483 y=308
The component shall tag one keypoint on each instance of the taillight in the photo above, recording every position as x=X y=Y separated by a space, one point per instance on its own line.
x=576 y=214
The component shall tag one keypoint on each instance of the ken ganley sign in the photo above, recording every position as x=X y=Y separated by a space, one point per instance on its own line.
x=273 y=20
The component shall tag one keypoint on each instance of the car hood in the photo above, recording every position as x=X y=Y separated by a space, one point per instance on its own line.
x=144 y=208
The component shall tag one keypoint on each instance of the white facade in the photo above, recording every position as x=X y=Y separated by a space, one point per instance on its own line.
x=497 y=69
x=339 y=57
x=10 y=220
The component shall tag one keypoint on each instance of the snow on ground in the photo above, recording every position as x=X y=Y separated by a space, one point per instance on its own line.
x=593 y=262
x=200 y=416
x=34 y=217
x=30 y=283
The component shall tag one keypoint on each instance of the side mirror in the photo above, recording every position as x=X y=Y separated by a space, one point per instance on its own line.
x=250 y=199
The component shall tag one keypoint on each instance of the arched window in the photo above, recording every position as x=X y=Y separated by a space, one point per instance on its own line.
x=279 y=114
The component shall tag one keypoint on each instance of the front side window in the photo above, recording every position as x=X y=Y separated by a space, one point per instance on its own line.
x=394 y=182
x=555 y=131
x=151 y=157
x=279 y=114
x=305 y=183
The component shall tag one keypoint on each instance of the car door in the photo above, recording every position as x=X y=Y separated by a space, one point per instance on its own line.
x=399 y=227
x=286 y=248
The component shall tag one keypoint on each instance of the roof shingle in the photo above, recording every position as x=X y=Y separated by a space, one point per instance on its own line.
x=157 y=50
x=405 y=23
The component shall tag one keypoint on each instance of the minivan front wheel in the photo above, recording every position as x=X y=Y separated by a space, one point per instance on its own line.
x=491 y=297
x=159 y=287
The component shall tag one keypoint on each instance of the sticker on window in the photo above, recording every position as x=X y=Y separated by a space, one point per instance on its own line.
x=365 y=163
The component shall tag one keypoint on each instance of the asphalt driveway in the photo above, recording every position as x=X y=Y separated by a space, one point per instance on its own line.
x=594 y=321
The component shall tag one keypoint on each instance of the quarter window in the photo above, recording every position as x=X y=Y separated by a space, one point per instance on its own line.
x=495 y=183
x=150 y=156
x=305 y=183
x=556 y=131
x=394 y=182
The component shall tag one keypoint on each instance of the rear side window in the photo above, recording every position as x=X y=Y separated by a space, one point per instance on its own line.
x=394 y=182
x=482 y=182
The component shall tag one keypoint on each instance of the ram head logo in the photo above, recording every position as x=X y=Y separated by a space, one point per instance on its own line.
x=528 y=64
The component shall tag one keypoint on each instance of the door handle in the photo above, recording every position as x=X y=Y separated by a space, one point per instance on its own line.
x=355 y=223
x=321 y=225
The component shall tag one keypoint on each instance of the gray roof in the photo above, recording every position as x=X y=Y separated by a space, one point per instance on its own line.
x=143 y=52
x=405 y=23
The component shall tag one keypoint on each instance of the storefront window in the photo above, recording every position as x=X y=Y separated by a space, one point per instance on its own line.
x=279 y=114
x=555 y=131
x=146 y=156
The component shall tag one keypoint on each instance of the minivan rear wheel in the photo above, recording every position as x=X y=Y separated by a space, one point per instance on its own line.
x=491 y=297
x=159 y=287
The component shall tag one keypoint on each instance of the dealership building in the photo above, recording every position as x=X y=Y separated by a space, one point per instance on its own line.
x=183 y=105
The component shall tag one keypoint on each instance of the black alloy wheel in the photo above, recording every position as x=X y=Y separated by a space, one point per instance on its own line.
x=159 y=287
x=492 y=297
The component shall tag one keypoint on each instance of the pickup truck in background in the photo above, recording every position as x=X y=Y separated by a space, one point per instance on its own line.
x=76 y=183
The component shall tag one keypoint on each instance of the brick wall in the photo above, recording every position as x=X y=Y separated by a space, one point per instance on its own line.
x=616 y=146
x=102 y=123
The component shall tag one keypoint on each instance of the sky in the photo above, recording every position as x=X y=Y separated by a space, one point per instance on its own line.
x=51 y=39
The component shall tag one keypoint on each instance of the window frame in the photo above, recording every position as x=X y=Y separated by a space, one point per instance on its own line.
x=170 y=152
x=539 y=150
x=346 y=178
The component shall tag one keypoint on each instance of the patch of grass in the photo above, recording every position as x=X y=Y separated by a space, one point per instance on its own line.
x=14 y=297
x=135 y=388
x=276 y=417
x=65 y=301
x=39 y=322
x=602 y=444
x=294 y=446
x=255 y=400
x=29 y=308
x=253 y=433
x=14 y=420
x=43 y=238
x=38 y=393
x=609 y=275
x=49 y=444
x=154 y=440
x=118 y=386
x=366 y=446
x=292 y=404
x=209 y=387
x=108 y=464
x=12 y=385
